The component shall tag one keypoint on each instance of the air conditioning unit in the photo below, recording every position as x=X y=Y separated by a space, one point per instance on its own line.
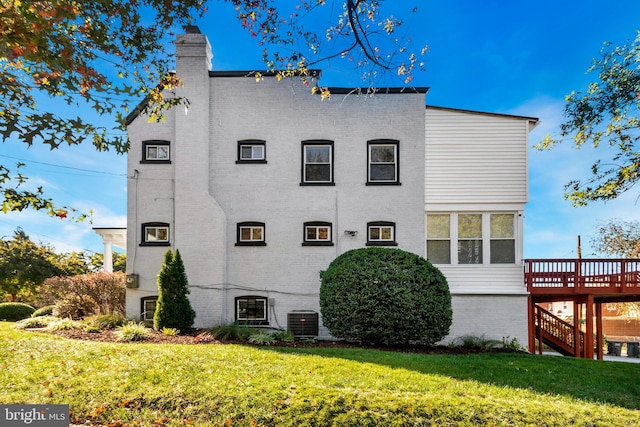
x=132 y=281
x=302 y=324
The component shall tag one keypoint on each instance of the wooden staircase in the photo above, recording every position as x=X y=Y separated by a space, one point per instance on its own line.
x=558 y=334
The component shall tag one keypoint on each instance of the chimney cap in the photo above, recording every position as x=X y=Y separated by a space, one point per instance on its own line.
x=191 y=29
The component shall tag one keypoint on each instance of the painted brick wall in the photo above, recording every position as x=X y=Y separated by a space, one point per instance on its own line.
x=284 y=114
x=491 y=316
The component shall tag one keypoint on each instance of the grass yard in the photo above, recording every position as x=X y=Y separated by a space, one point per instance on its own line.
x=234 y=385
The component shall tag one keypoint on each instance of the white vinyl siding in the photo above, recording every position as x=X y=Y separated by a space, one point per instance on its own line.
x=475 y=158
x=488 y=279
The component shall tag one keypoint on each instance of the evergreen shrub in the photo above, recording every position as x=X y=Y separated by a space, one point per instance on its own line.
x=173 y=309
x=14 y=311
x=47 y=310
x=385 y=296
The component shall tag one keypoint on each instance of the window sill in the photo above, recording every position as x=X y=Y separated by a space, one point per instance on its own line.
x=381 y=244
x=251 y=243
x=317 y=243
x=155 y=244
x=382 y=183
x=158 y=162
x=317 y=184
x=264 y=162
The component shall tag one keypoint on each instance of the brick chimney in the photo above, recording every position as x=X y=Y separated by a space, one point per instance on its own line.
x=193 y=47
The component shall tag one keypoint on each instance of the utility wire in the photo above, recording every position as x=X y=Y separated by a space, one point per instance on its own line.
x=63 y=167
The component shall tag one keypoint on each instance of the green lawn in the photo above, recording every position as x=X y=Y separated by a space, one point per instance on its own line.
x=217 y=385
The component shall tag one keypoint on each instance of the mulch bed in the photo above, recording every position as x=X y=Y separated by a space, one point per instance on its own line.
x=156 y=337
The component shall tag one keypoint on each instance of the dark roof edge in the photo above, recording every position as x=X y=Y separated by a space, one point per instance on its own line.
x=136 y=111
x=376 y=90
x=484 y=113
x=265 y=73
x=316 y=73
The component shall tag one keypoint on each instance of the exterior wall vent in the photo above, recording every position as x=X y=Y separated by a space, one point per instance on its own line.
x=303 y=324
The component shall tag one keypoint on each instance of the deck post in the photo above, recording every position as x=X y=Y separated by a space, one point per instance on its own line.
x=577 y=311
x=532 y=325
x=539 y=329
x=599 y=343
x=588 y=337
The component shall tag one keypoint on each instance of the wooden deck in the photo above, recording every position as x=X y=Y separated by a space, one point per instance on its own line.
x=588 y=283
x=605 y=279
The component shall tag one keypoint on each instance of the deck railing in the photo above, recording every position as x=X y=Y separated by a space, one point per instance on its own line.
x=583 y=275
x=561 y=332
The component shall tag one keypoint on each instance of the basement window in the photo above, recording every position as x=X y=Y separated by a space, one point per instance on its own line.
x=251 y=310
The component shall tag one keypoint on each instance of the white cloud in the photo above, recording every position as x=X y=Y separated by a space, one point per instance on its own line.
x=64 y=235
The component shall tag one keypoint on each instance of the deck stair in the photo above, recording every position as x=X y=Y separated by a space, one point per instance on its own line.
x=557 y=333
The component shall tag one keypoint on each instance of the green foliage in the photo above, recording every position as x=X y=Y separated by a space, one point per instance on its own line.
x=170 y=331
x=617 y=238
x=513 y=344
x=385 y=296
x=64 y=324
x=96 y=261
x=117 y=383
x=173 y=309
x=132 y=331
x=108 y=321
x=24 y=265
x=284 y=336
x=14 y=311
x=480 y=343
x=47 y=310
x=85 y=295
x=232 y=332
x=262 y=338
x=607 y=113
x=92 y=328
x=36 y=322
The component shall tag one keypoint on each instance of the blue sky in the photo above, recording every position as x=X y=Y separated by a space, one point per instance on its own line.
x=511 y=57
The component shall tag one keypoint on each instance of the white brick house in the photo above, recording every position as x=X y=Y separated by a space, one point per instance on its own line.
x=260 y=185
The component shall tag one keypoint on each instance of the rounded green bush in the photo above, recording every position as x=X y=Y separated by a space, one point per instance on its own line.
x=385 y=296
x=14 y=311
x=44 y=311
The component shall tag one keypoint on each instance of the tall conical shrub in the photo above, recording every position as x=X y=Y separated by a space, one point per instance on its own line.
x=173 y=309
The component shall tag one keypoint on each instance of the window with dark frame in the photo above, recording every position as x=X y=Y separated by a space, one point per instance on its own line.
x=381 y=233
x=156 y=151
x=383 y=166
x=148 y=308
x=317 y=233
x=155 y=234
x=252 y=310
x=317 y=162
x=250 y=233
x=252 y=151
